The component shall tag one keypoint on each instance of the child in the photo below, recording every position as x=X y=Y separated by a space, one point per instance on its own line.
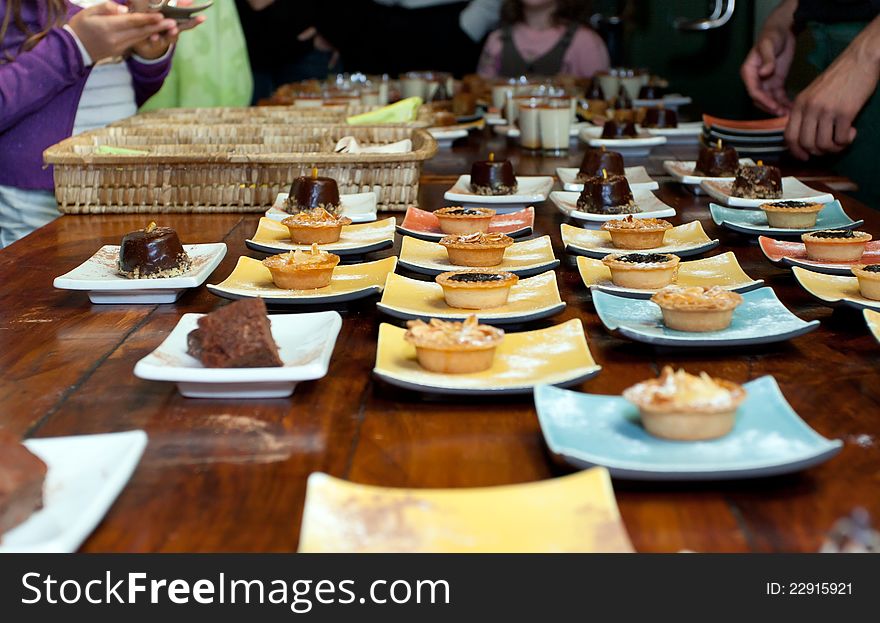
x=60 y=75
x=543 y=37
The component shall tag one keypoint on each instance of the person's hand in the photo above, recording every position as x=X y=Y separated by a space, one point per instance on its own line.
x=108 y=29
x=158 y=44
x=319 y=43
x=823 y=114
x=766 y=67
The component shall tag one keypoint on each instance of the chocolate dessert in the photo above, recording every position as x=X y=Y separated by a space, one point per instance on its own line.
x=235 y=336
x=493 y=177
x=757 y=182
x=651 y=92
x=151 y=253
x=644 y=258
x=618 y=129
x=607 y=195
x=717 y=160
x=597 y=160
x=21 y=483
x=833 y=233
x=471 y=277
x=660 y=118
x=623 y=100
x=595 y=92
x=310 y=192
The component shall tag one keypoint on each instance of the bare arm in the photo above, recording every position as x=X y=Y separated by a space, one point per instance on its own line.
x=766 y=66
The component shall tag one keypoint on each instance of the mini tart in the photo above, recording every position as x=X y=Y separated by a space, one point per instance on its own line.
x=792 y=214
x=684 y=407
x=302 y=270
x=642 y=271
x=315 y=226
x=476 y=249
x=697 y=308
x=637 y=233
x=453 y=347
x=869 y=280
x=462 y=221
x=835 y=245
x=476 y=289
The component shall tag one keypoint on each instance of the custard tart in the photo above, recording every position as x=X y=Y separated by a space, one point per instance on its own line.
x=869 y=280
x=835 y=245
x=315 y=226
x=453 y=347
x=642 y=271
x=302 y=270
x=476 y=289
x=637 y=233
x=463 y=221
x=478 y=249
x=697 y=308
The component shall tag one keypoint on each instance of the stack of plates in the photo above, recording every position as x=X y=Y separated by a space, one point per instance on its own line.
x=755 y=138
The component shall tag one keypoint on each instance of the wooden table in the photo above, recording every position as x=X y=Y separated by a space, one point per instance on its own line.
x=230 y=475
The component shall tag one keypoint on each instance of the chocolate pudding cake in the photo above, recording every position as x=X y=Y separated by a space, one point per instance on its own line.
x=151 y=253
x=493 y=177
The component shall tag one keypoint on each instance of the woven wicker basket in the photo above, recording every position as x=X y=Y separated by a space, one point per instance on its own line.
x=259 y=115
x=228 y=168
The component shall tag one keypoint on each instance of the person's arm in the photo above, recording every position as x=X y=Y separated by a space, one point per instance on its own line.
x=480 y=17
x=490 y=60
x=823 y=114
x=766 y=66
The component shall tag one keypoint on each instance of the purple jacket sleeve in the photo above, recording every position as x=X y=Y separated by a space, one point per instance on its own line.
x=37 y=76
x=148 y=77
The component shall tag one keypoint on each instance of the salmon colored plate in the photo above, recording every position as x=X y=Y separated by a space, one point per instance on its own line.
x=795 y=254
x=250 y=279
x=424 y=225
x=720 y=270
x=529 y=257
x=557 y=355
x=273 y=237
x=767 y=126
x=530 y=299
x=873 y=320
x=682 y=240
x=834 y=289
x=341 y=516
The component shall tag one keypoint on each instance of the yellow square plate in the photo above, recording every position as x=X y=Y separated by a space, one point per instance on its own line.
x=530 y=299
x=341 y=516
x=273 y=237
x=719 y=270
x=526 y=258
x=873 y=320
x=833 y=289
x=557 y=355
x=682 y=240
x=251 y=279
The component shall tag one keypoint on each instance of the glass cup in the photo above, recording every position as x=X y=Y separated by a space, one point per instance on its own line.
x=413 y=86
x=529 y=122
x=554 y=118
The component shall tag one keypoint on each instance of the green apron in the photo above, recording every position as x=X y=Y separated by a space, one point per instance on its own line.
x=210 y=66
x=859 y=161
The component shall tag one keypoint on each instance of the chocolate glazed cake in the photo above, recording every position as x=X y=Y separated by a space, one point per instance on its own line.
x=493 y=177
x=618 y=129
x=757 y=182
x=597 y=160
x=660 y=118
x=235 y=336
x=21 y=483
x=717 y=161
x=607 y=195
x=310 y=192
x=152 y=252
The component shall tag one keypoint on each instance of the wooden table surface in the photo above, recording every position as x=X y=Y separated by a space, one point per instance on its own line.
x=229 y=475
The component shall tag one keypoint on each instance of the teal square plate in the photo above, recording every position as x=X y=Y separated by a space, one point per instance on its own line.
x=761 y=319
x=754 y=222
x=769 y=438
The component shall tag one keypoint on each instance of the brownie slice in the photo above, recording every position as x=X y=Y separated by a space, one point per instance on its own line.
x=21 y=482
x=235 y=336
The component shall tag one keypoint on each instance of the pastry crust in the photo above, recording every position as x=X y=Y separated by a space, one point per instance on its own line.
x=791 y=214
x=642 y=271
x=869 y=280
x=315 y=226
x=637 y=233
x=697 y=308
x=684 y=407
x=835 y=245
x=302 y=270
x=454 y=347
x=479 y=249
x=476 y=289
x=461 y=221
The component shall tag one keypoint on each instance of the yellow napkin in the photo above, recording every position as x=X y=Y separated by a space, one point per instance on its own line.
x=403 y=111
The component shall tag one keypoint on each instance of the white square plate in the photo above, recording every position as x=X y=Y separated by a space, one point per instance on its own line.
x=792 y=190
x=514 y=132
x=649 y=204
x=631 y=147
x=359 y=207
x=637 y=177
x=99 y=277
x=305 y=344
x=685 y=134
x=531 y=190
x=86 y=474
x=683 y=171
x=446 y=136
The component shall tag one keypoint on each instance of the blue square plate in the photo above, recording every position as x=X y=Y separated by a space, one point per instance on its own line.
x=769 y=438
x=754 y=222
x=761 y=319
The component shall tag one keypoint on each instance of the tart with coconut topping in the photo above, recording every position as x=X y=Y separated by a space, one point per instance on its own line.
x=453 y=347
x=479 y=249
x=302 y=270
x=697 y=308
x=315 y=226
x=637 y=233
